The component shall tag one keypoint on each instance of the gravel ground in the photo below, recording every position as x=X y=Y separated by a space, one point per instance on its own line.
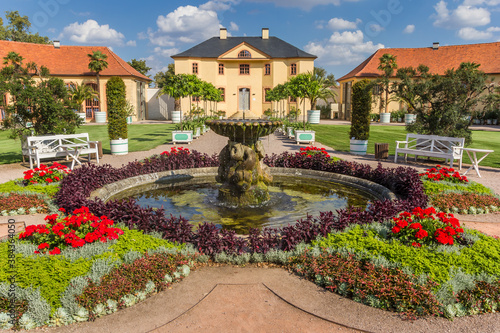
x=228 y=299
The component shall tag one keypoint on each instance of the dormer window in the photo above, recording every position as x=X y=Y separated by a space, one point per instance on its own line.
x=244 y=54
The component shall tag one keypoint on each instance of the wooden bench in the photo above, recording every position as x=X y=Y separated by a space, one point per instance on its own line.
x=60 y=145
x=445 y=147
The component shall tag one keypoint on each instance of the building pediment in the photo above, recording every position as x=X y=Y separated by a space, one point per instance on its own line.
x=234 y=53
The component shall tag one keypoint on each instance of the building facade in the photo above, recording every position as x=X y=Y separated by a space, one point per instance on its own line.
x=437 y=58
x=70 y=63
x=243 y=69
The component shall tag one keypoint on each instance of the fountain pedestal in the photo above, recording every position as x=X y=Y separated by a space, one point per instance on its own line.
x=243 y=174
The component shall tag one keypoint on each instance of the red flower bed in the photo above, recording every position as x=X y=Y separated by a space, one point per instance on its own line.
x=74 y=230
x=46 y=174
x=442 y=173
x=424 y=226
x=311 y=151
x=176 y=150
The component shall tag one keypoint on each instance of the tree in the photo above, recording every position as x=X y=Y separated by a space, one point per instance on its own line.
x=328 y=79
x=161 y=77
x=42 y=106
x=361 y=107
x=387 y=65
x=18 y=30
x=443 y=102
x=81 y=92
x=140 y=66
x=98 y=63
x=117 y=114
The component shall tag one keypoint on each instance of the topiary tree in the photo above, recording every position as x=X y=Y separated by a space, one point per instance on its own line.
x=117 y=113
x=361 y=106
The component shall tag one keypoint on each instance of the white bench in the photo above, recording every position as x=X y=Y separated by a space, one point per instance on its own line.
x=432 y=146
x=60 y=145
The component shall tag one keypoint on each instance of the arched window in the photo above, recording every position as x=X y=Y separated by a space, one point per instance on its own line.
x=244 y=54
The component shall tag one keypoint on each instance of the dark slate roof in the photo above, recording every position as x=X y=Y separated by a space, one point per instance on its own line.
x=274 y=47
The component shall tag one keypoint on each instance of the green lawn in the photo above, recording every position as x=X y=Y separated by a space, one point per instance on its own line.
x=140 y=137
x=148 y=136
x=337 y=137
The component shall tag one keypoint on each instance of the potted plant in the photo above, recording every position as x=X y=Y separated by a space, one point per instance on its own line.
x=177 y=86
x=117 y=116
x=130 y=110
x=304 y=133
x=79 y=93
x=360 y=119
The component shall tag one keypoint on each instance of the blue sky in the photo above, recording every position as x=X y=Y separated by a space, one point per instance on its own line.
x=342 y=33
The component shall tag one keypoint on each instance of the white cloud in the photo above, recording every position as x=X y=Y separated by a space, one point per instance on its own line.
x=375 y=28
x=470 y=33
x=337 y=23
x=131 y=43
x=90 y=32
x=461 y=17
x=343 y=48
x=187 y=24
x=481 y=2
x=347 y=37
x=233 y=26
x=410 y=28
x=167 y=53
x=304 y=4
x=219 y=5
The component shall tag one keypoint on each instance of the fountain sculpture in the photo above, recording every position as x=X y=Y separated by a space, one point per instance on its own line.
x=243 y=174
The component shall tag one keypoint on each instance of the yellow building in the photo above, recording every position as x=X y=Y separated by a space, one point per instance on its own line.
x=70 y=63
x=243 y=68
x=437 y=58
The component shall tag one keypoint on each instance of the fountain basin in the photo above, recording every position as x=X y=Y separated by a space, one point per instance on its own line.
x=188 y=186
x=243 y=130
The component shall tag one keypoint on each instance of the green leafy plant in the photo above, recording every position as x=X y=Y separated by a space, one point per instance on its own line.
x=117 y=113
x=361 y=107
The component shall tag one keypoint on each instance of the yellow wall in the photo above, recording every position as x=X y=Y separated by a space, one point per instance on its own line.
x=232 y=80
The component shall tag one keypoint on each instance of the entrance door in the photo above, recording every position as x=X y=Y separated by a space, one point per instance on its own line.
x=244 y=99
x=91 y=105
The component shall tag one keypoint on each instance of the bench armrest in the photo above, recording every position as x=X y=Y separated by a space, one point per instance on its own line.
x=398 y=142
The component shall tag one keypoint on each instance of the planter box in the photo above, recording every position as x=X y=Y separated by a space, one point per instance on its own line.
x=129 y=120
x=182 y=137
x=119 y=147
x=176 y=117
x=82 y=115
x=305 y=136
x=359 y=147
x=410 y=118
x=100 y=117
x=290 y=132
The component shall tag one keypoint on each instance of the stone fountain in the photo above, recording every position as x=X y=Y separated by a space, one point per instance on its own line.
x=242 y=172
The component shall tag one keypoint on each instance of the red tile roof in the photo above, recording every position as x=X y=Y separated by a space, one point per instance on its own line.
x=438 y=61
x=69 y=60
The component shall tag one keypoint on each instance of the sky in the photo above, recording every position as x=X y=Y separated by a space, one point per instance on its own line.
x=341 y=33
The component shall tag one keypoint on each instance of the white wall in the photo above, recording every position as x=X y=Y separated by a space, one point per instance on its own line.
x=159 y=107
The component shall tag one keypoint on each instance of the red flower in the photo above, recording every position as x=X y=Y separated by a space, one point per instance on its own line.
x=395 y=229
x=421 y=234
x=415 y=244
x=43 y=246
x=55 y=251
x=415 y=226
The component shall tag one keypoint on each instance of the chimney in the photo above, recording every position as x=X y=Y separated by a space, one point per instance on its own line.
x=57 y=44
x=265 y=33
x=223 y=33
x=435 y=45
